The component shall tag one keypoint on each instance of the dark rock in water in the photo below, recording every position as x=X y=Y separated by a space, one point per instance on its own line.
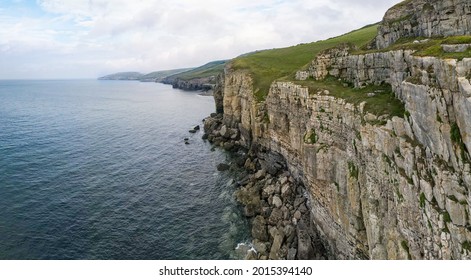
x=240 y=161
x=192 y=131
x=217 y=141
x=244 y=181
x=186 y=139
x=196 y=127
x=249 y=210
x=205 y=136
x=222 y=167
x=213 y=149
x=228 y=146
x=187 y=143
x=249 y=165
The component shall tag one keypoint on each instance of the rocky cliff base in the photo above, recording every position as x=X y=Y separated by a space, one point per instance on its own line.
x=204 y=84
x=273 y=200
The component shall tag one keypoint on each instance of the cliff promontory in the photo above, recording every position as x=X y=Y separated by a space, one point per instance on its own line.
x=424 y=18
x=199 y=78
x=374 y=129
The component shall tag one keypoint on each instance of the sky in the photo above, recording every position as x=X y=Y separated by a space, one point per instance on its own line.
x=63 y=39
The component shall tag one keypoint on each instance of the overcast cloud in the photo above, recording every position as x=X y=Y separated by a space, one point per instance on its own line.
x=90 y=38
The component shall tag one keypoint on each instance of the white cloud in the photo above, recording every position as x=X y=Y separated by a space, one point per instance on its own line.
x=148 y=35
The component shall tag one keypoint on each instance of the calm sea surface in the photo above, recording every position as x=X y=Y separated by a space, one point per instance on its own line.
x=99 y=170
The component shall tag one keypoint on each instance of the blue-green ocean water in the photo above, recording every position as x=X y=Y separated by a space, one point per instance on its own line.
x=99 y=170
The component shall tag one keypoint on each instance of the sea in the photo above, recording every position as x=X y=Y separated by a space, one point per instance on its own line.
x=100 y=170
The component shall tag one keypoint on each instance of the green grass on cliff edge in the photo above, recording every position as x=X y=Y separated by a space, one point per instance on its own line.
x=270 y=65
x=382 y=103
x=427 y=46
x=208 y=70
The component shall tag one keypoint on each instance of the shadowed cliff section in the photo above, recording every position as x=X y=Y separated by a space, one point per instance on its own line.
x=200 y=78
x=377 y=140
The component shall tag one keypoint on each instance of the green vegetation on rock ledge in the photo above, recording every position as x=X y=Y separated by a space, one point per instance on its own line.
x=310 y=138
x=380 y=100
x=270 y=65
x=405 y=246
x=428 y=46
x=353 y=170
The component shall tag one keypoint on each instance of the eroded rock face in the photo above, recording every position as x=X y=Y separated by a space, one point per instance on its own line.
x=384 y=192
x=425 y=18
x=394 y=191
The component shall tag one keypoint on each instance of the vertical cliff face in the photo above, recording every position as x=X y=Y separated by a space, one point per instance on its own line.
x=424 y=18
x=379 y=187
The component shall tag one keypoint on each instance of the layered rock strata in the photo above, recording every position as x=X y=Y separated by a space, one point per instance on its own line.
x=192 y=84
x=384 y=192
x=424 y=18
x=274 y=202
x=377 y=187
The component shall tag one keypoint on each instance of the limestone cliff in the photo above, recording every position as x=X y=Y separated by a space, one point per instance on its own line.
x=425 y=18
x=379 y=187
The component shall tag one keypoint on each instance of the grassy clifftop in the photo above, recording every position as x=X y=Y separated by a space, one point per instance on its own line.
x=209 y=69
x=270 y=65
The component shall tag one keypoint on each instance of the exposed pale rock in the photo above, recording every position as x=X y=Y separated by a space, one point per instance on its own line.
x=269 y=190
x=251 y=255
x=457 y=212
x=456 y=48
x=277 y=201
x=260 y=247
x=284 y=180
x=285 y=190
x=260 y=174
x=223 y=130
x=374 y=191
x=276 y=245
x=424 y=18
